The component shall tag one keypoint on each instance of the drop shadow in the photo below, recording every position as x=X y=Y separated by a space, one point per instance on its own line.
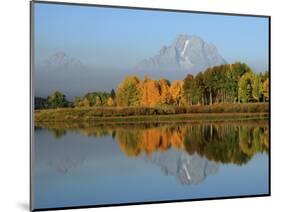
x=24 y=206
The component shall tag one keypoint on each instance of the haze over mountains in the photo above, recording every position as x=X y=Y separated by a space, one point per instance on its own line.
x=59 y=72
x=188 y=54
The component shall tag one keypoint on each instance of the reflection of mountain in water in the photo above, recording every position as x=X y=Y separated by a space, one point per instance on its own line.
x=64 y=164
x=61 y=156
x=188 y=169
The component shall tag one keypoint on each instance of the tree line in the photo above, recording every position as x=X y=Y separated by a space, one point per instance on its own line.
x=227 y=83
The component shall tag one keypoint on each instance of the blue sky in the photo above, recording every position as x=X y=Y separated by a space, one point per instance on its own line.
x=122 y=36
x=111 y=42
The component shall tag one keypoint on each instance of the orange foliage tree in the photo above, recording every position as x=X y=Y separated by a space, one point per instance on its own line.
x=151 y=95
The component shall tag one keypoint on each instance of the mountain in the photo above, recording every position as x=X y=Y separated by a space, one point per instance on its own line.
x=71 y=76
x=63 y=73
x=187 y=53
x=61 y=62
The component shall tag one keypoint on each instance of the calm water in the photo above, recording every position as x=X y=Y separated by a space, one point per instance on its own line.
x=78 y=165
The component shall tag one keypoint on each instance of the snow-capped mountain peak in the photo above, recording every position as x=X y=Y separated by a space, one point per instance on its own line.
x=188 y=53
x=184 y=48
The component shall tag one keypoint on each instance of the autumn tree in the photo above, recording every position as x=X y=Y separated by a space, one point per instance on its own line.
x=166 y=96
x=86 y=102
x=257 y=87
x=190 y=89
x=77 y=101
x=97 y=98
x=265 y=90
x=211 y=84
x=201 y=88
x=151 y=92
x=245 y=92
x=218 y=84
x=98 y=101
x=128 y=93
x=177 y=92
x=235 y=72
x=110 y=101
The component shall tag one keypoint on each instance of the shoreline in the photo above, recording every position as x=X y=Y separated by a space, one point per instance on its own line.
x=145 y=124
x=162 y=118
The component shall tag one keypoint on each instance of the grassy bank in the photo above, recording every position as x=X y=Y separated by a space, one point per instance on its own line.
x=146 y=125
x=155 y=114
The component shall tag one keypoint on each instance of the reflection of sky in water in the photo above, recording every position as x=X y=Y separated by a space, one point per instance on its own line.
x=78 y=170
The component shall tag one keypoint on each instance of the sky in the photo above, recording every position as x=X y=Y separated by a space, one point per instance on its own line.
x=118 y=39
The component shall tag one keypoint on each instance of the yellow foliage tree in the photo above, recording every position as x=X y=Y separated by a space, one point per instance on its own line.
x=265 y=89
x=86 y=102
x=98 y=101
x=128 y=92
x=166 y=96
x=110 y=102
x=177 y=92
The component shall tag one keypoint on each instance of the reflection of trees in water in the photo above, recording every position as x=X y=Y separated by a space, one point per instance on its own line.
x=225 y=142
x=96 y=133
x=219 y=143
x=252 y=140
x=57 y=133
x=148 y=141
